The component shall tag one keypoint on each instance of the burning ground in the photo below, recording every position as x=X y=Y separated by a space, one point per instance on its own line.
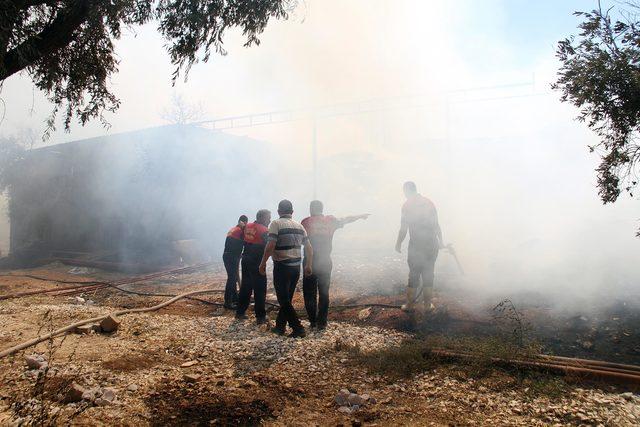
x=193 y=364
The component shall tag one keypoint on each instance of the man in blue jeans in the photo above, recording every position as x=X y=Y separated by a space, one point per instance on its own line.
x=286 y=237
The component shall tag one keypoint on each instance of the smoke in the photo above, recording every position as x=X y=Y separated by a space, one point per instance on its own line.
x=507 y=167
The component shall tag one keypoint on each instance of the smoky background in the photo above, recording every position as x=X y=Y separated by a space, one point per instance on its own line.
x=506 y=165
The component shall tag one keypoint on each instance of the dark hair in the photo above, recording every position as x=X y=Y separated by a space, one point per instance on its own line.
x=285 y=207
x=316 y=206
x=243 y=218
x=410 y=186
x=262 y=214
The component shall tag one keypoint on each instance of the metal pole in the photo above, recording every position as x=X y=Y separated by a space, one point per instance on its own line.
x=314 y=156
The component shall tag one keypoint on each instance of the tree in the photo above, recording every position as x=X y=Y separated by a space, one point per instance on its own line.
x=600 y=74
x=182 y=112
x=67 y=46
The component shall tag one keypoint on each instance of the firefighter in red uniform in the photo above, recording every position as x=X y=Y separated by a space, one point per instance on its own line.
x=231 y=257
x=255 y=240
x=315 y=287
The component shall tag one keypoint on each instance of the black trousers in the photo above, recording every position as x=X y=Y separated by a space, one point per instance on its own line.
x=316 y=294
x=231 y=264
x=285 y=280
x=422 y=260
x=252 y=282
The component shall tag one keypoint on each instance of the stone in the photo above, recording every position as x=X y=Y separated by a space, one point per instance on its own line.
x=80 y=300
x=355 y=399
x=101 y=402
x=87 y=329
x=132 y=387
x=35 y=361
x=368 y=398
x=364 y=313
x=90 y=394
x=628 y=395
x=342 y=398
x=73 y=394
x=191 y=378
x=345 y=409
x=189 y=363
x=109 y=394
x=110 y=324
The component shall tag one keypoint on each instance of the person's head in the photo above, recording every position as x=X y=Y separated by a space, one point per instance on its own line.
x=263 y=217
x=285 y=207
x=316 y=207
x=409 y=189
x=243 y=220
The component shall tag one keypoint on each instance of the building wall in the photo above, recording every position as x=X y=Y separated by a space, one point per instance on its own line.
x=4 y=226
x=135 y=194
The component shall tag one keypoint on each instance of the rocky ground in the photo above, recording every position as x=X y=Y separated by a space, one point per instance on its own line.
x=192 y=364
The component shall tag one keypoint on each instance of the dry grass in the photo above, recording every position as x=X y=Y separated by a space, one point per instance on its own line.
x=414 y=356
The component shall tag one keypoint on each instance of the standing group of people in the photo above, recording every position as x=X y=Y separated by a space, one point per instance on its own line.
x=251 y=244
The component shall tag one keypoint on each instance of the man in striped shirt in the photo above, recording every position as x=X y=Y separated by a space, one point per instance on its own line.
x=286 y=237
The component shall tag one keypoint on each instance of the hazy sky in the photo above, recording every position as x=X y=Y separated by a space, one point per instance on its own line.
x=332 y=51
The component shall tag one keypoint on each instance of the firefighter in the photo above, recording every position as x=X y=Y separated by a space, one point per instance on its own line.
x=255 y=239
x=286 y=237
x=320 y=229
x=231 y=257
x=420 y=218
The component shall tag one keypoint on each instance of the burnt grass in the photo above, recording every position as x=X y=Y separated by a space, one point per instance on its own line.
x=590 y=329
x=197 y=405
x=608 y=334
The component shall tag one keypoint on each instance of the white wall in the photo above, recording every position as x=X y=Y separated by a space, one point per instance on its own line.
x=4 y=226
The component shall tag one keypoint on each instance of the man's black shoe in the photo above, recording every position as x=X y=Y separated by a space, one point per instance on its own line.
x=241 y=316
x=313 y=325
x=322 y=326
x=261 y=320
x=277 y=330
x=231 y=306
x=298 y=333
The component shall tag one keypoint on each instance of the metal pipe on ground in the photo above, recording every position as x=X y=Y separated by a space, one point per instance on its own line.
x=560 y=367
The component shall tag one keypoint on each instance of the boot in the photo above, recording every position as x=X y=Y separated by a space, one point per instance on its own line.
x=428 y=298
x=419 y=305
x=411 y=298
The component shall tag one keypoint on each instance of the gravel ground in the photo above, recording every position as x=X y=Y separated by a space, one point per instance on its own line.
x=172 y=368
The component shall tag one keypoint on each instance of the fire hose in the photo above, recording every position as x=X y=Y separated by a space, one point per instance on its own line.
x=95 y=285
